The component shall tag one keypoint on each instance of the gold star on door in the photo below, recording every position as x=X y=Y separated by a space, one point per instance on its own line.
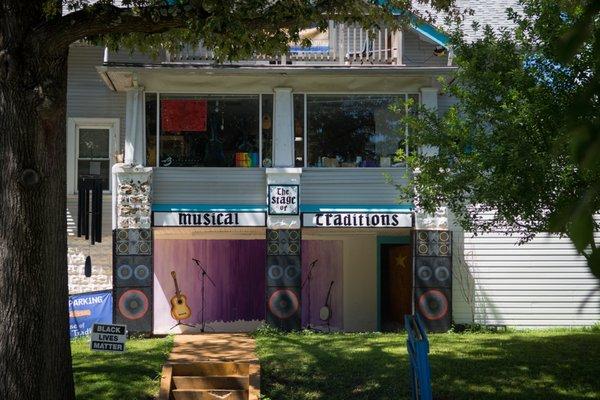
x=400 y=261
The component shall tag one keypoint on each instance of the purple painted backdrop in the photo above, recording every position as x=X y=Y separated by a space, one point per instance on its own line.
x=238 y=269
x=236 y=266
x=329 y=268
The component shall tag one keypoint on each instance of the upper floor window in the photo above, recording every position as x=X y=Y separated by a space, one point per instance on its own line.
x=352 y=130
x=209 y=130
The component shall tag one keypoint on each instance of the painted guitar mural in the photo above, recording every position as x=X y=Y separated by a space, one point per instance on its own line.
x=179 y=307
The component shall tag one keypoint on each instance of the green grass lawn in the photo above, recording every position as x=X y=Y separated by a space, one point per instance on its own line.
x=133 y=375
x=548 y=365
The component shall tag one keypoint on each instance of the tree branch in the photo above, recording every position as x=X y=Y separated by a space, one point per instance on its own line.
x=99 y=19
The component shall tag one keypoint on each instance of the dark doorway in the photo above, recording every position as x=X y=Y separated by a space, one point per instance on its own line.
x=396 y=285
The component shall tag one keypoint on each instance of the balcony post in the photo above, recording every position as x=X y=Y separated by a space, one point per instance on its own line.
x=399 y=42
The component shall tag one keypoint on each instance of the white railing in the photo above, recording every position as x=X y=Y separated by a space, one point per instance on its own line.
x=341 y=44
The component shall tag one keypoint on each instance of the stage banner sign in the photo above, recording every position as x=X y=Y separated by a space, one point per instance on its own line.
x=87 y=309
x=356 y=220
x=209 y=219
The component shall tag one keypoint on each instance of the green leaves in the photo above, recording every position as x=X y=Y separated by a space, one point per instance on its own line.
x=521 y=146
x=236 y=29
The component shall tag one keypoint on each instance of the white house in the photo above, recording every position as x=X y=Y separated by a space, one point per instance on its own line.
x=260 y=190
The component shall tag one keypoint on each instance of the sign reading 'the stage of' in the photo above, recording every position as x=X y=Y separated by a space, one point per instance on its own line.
x=357 y=220
x=210 y=219
x=283 y=199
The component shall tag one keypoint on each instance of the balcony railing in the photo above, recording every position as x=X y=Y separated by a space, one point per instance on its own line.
x=340 y=45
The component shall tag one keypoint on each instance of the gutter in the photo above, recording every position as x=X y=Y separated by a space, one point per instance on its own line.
x=220 y=69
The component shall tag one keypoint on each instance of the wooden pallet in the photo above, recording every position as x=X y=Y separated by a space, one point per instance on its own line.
x=210 y=380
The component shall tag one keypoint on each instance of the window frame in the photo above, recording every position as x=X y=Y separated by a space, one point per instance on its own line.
x=74 y=124
x=260 y=122
x=406 y=95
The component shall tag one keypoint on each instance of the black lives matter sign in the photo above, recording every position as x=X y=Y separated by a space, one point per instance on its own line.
x=108 y=337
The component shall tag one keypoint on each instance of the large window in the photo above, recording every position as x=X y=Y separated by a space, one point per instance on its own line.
x=353 y=130
x=209 y=130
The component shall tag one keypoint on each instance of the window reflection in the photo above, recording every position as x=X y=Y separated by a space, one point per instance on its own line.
x=353 y=130
x=209 y=131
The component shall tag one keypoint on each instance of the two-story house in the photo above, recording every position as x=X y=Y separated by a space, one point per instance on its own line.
x=261 y=190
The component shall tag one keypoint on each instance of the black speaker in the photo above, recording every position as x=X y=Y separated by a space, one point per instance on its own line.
x=433 y=272
x=283 y=271
x=133 y=308
x=283 y=308
x=283 y=242
x=433 y=243
x=132 y=242
x=434 y=305
x=132 y=271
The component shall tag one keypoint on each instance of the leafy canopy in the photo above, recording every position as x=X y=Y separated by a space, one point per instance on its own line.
x=233 y=29
x=520 y=150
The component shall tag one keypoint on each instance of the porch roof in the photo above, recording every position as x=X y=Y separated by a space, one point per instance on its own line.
x=120 y=76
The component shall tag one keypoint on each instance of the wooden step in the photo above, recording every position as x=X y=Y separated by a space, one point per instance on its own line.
x=210 y=368
x=214 y=394
x=211 y=382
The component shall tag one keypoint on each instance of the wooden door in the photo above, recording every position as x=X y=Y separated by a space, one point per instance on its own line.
x=396 y=285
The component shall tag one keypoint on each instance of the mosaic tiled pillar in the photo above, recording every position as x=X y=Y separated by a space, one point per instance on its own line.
x=433 y=278
x=132 y=248
x=284 y=241
x=284 y=278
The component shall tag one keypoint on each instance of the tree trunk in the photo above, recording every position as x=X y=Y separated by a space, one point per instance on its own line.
x=35 y=355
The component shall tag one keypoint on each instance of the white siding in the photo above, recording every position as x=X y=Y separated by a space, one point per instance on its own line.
x=540 y=283
x=87 y=95
x=355 y=186
x=361 y=186
x=209 y=186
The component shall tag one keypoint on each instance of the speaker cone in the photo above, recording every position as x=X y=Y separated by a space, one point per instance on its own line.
x=275 y=272
x=124 y=272
x=292 y=272
x=283 y=303
x=273 y=235
x=133 y=304
x=144 y=247
x=141 y=272
x=433 y=304
x=443 y=250
x=425 y=273
x=123 y=248
x=442 y=274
